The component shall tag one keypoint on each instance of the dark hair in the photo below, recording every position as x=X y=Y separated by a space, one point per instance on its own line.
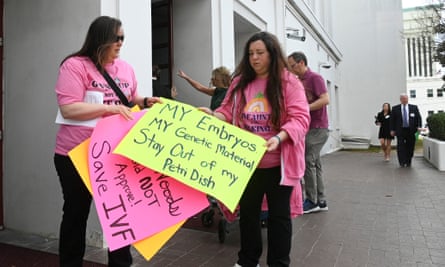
x=299 y=56
x=101 y=35
x=389 y=107
x=274 y=89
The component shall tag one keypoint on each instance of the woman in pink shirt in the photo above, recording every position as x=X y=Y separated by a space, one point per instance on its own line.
x=265 y=99
x=83 y=95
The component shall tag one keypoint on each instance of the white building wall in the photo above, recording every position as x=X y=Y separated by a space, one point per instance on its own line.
x=369 y=34
x=426 y=104
x=192 y=47
x=136 y=22
x=216 y=37
x=320 y=51
x=418 y=24
x=222 y=41
x=38 y=34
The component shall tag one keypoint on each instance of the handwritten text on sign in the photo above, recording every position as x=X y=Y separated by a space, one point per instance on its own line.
x=197 y=149
x=147 y=247
x=133 y=202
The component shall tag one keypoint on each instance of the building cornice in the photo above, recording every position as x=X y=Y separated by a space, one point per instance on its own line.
x=313 y=26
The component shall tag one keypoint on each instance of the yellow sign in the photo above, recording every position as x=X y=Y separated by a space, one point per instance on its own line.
x=197 y=149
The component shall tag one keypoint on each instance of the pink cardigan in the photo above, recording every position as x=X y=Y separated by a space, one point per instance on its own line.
x=294 y=120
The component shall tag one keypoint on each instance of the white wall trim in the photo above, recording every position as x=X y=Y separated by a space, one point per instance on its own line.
x=136 y=21
x=109 y=8
x=250 y=15
x=222 y=40
x=314 y=28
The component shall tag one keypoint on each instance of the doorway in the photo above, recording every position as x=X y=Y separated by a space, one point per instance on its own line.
x=162 y=40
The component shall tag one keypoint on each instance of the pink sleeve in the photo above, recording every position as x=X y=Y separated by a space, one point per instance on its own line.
x=296 y=203
x=297 y=120
x=69 y=85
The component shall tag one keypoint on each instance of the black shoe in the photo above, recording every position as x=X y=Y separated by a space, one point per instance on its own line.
x=264 y=223
x=323 y=205
x=309 y=207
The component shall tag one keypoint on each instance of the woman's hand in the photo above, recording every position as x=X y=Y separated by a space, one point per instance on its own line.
x=206 y=110
x=215 y=114
x=182 y=74
x=150 y=101
x=119 y=109
x=273 y=143
x=173 y=92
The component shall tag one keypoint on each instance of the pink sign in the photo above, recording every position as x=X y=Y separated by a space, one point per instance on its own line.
x=133 y=202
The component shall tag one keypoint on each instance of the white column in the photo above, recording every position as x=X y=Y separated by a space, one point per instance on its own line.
x=222 y=34
x=136 y=22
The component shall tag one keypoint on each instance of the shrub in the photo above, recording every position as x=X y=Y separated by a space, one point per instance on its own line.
x=436 y=125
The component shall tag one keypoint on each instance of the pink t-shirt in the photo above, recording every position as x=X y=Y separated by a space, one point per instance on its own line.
x=78 y=75
x=255 y=118
x=294 y=121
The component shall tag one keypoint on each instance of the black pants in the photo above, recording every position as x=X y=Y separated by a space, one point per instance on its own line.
x=76 y=207
x=279 y=224
x=406 y=140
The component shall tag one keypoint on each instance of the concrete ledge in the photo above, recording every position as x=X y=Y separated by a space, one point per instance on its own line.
x=434 y=152
x=355 y=142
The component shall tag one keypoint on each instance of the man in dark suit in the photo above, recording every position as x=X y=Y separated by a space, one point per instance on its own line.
x=405 y=122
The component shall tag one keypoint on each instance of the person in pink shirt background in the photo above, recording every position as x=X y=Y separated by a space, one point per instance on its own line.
x=318 y=99
x=83 y=94
x=267 y=100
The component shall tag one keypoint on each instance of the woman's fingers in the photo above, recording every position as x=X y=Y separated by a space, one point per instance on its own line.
x=124 y=111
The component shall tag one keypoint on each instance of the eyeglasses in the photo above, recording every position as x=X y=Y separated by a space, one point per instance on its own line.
x=119 y=38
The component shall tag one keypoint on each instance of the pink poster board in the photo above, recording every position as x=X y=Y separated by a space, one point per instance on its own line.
x=133 y=202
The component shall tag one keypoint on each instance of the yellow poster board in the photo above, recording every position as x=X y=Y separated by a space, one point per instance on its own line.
x=197 y=149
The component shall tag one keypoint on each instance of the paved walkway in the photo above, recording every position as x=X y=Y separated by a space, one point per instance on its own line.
x=379 y=215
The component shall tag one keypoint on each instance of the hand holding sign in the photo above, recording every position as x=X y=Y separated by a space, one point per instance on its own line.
x=197 y=149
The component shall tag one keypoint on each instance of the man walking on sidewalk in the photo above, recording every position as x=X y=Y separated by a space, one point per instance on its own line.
x=405 y=122
x=318 y=99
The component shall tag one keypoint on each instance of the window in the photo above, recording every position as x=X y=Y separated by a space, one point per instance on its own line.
x=429 y=93
x=439 y=92
x=412 y=93
x=440 y=111
x=430 y=112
